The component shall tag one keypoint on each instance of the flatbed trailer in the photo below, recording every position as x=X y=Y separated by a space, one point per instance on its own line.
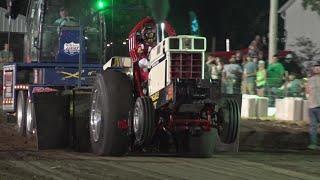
x=44 y=100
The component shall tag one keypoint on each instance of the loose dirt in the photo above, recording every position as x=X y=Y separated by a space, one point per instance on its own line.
x=10 y=140
x=254 y=135
x=20 y=160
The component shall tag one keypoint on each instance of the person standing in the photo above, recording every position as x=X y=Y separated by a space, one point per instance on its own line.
x=5 y=55
x=215 y=67
x=275 y=73
x=261 y=78
x=261 y=56
x=313 y=91
x=275 y=77
x=239 y=57
x=231 y=77
x=249 y=76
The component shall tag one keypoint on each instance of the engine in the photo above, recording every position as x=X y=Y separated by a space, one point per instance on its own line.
x=176 y=57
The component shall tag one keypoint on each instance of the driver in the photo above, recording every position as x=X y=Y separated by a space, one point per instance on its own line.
x=143 y=49
x=65 y=19
x=147 y=41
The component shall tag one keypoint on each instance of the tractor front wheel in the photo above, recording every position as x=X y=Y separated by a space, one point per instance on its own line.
x=143 y=121
x=228 y=121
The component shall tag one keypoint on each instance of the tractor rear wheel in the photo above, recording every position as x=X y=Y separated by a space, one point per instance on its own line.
x=228 y=121
x=21 y=112
x=143 y=121
x=112 y=99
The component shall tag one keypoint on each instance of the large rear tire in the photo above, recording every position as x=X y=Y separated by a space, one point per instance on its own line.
x=21 y=113
x=228 y=121
x=112 y=99
x=143 y=121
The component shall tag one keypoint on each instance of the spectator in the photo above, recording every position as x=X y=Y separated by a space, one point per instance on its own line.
x=230 y=76
x=215 y=67
x=253 y=49
x=261 y=56
x=244 y=60
x=292 y=65
x=275 y=73
x=292 y=88
x=261 y=78
x=255 y=61
x=239 y=57
x=313 y=91
x=5 y=55
x=259 y=43
x=249 y=76
x=264 y=44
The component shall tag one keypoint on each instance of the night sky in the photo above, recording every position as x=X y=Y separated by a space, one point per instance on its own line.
x=238 y=20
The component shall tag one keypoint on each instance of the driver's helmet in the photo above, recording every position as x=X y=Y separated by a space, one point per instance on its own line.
x=148 y=34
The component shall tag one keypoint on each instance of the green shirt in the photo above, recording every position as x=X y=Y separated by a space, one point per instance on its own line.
x=67 y=21
x=261 y=78
x=275 y=74
x=295 y=88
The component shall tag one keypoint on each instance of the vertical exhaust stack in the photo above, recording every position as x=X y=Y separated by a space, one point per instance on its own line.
x=163 y=26
x=160 y=31
x=158 y=34
x=160 y=10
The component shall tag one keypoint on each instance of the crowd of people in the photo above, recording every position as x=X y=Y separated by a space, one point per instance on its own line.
x=252 y=74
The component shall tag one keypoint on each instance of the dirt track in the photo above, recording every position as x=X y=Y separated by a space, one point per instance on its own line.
x=19 y=160
x=10 y=140
x=250 y=165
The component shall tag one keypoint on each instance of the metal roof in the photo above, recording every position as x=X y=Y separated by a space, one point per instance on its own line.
x=286 y=6
x=18 y=25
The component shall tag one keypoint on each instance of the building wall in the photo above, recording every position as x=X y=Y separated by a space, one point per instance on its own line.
x=300 y=22
x=17 y=29
x=18 y=25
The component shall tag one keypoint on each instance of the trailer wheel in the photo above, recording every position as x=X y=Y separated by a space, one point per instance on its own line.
x=228 y=121
x=143 y=121
x=30 y=119
x=21 y=113
x=112 y=99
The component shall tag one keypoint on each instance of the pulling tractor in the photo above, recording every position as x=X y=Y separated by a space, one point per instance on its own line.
x=170 y=108
x=64 y=96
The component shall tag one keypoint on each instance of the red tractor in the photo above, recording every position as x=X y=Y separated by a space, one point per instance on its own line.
x=159 y=101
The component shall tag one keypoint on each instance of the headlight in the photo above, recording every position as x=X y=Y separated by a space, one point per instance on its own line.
x=198 y=44
x=186 y=43
x=174 y=43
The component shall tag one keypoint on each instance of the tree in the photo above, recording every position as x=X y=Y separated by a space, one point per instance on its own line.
x=313 y=4
x=307 y=52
